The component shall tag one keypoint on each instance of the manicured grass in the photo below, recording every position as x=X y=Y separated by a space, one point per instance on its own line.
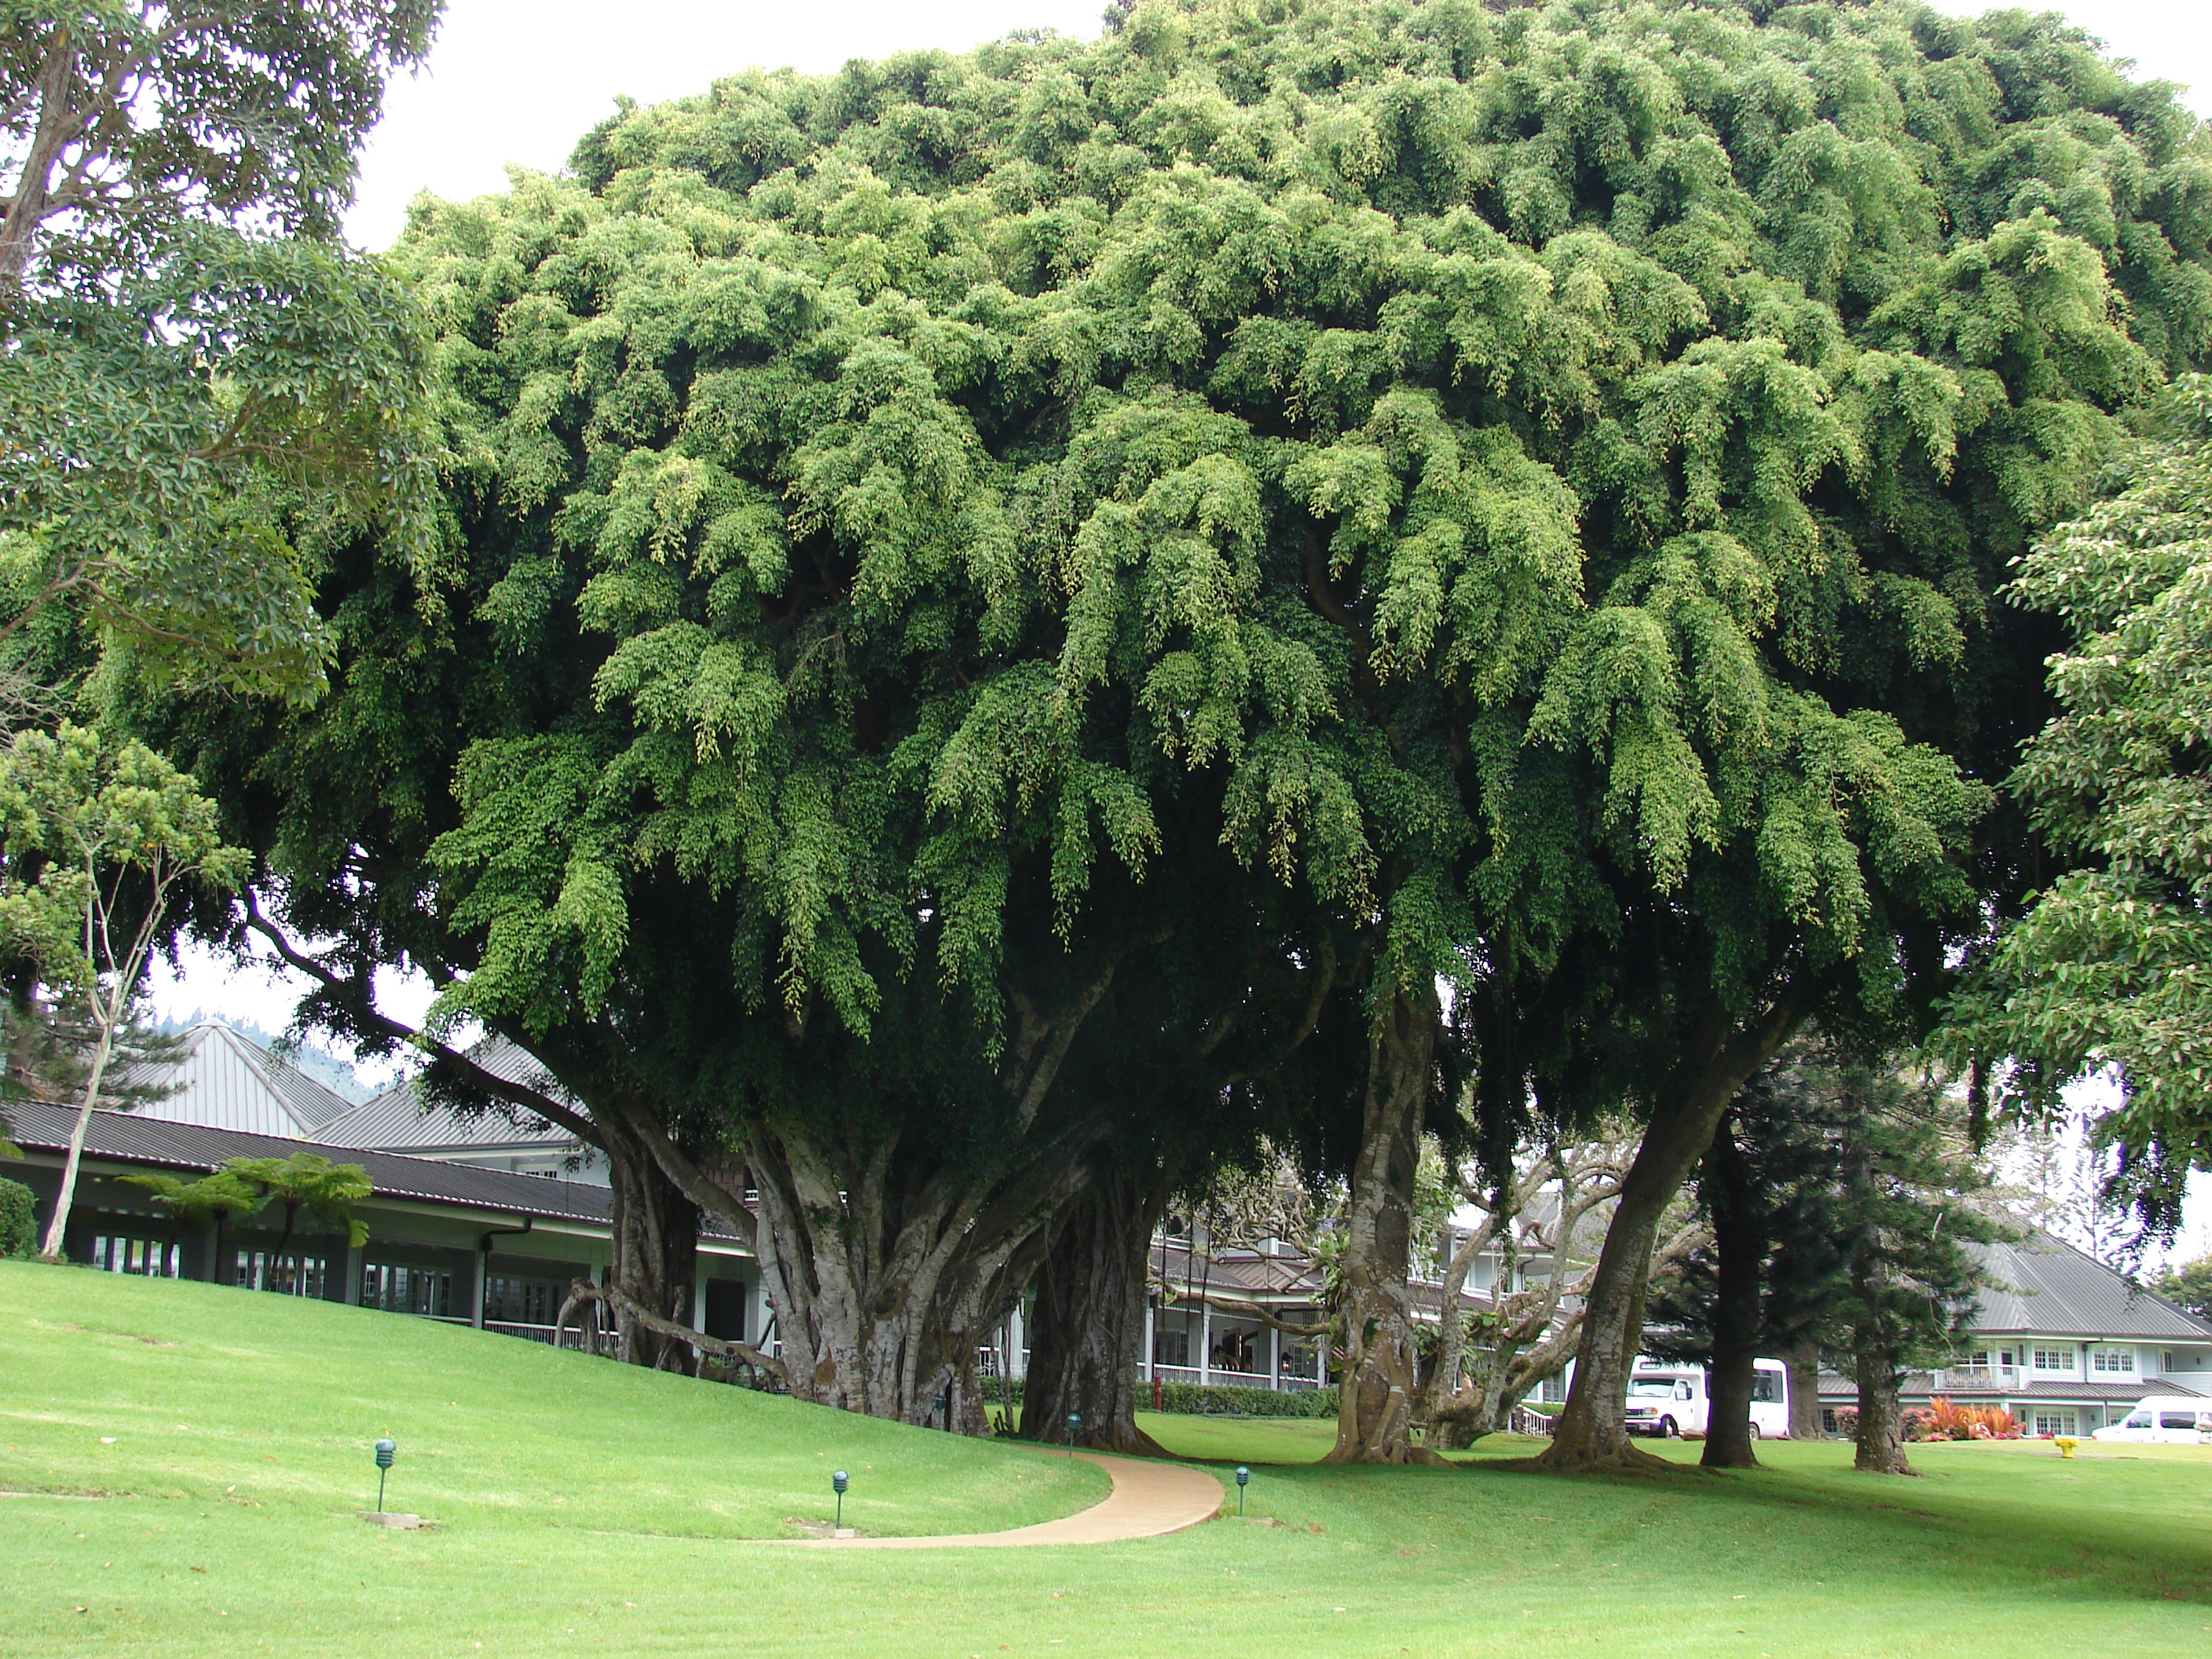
x=2002 y=1547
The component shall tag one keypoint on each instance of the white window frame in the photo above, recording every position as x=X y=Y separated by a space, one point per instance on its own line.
x=2113 y=1360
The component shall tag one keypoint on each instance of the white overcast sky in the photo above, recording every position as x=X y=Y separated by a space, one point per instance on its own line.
x=518 y=82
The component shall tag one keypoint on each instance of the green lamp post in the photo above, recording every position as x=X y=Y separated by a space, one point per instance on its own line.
x=1244 y=1479
x=385 y=1450
x=1074 y=1422
x=838 y=1481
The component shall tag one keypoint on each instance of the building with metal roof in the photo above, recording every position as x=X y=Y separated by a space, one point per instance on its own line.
x=2062 y=1341
x=447 y=1240
x=405 y=1119
x=223 y=1079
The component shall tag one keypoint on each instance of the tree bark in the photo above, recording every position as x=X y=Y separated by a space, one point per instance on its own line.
x=1739 y=1249
x=1592 y=1430
x=1881 y=1449
x=656 y=1229
x=65 y=1199
x=1379 y=1380
x=1804 y=1393
x=1087 y=1326
x=887 y=1272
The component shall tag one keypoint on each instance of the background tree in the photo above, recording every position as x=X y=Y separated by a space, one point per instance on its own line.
x=1549 y=1206
x=2188 y=1286
x=199 y=385
x=1905 y=1198
x=201 y=1205
x=2110 y=971
x=98 y=836
x=304 y=1183
x=1775 y=1264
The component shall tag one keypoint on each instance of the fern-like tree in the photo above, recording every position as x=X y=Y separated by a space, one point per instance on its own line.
x=304 y=1184
x=201 y=1206
x=98 y=838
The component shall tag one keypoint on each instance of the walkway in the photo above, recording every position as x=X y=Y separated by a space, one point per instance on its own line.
x=1147 y=1500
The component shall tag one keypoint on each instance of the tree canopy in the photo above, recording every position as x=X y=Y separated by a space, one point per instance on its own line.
x=199 y=385
x=1267 y=510
x=2110 y=968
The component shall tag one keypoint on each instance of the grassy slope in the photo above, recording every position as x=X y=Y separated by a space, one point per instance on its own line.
x=2000 y=1547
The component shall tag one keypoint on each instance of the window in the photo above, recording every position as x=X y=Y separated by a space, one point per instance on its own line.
x=1170 y=1347
x=293 y=1275
x=523 y=1301
x=2054 y=1423
x=1766 y=1387
x=134 y=1255
x=2177 y=1420
x=2121 y=1361
x=2052 y=1359
x=407 y=1290
x=1979 y=1359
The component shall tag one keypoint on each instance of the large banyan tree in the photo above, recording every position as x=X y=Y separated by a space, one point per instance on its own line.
x=996 y=606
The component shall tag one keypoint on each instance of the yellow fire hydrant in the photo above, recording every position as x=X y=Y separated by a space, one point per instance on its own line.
x=2065 y=1444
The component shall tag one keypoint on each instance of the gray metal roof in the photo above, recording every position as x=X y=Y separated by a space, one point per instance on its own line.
x=2043 y=1287
x=401 y=1117
x=131 y=1138
x=2052 y=1388
x=228 y=1081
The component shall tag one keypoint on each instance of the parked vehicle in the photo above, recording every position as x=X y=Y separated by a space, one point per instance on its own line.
x=1668 y=1399
x=2163 y=1420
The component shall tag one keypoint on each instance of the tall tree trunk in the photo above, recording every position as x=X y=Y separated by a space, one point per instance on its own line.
x=1087 y=1326
x=1880 y=1436
x=1380 y=1381
x=1740 y=1251
x=656 y=1229
x=66 y=1197
x=1804 y=1364
x=1592 y=1430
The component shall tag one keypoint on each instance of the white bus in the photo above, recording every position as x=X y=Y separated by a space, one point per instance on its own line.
x=1668 y=1399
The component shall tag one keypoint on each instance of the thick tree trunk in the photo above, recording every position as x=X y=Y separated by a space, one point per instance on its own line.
x=656 y=1246
x=1880 y=1436
x=1740 y=1253
x=1380 y=1383
x=1087 y=1326
x=1804 y=1393
x=888 y=1273
x=1592 y=1430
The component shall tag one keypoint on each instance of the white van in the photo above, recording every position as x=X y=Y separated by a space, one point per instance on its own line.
x=2164 y=1419
x=1669 y=1400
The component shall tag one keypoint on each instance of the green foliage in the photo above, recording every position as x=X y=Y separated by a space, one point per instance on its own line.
x=2110 y=968
x=203 y=389
x=2188 y=1286
x=1512 y=496
x=300 y=1183
x=19 y=1233
x=82 y=819
x=1214 y=1399
x=195 y=1204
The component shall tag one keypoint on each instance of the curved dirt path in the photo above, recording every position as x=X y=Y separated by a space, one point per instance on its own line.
x=1147 y=1500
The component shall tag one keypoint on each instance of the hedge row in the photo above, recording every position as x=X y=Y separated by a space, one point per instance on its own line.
x=1190 y=1398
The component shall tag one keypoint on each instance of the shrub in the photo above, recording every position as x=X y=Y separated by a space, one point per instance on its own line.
x=1213 y=1401
x=19 y=1220
x=1942 y=1421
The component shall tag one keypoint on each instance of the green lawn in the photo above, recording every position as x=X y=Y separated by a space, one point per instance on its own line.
x=659 y=1481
